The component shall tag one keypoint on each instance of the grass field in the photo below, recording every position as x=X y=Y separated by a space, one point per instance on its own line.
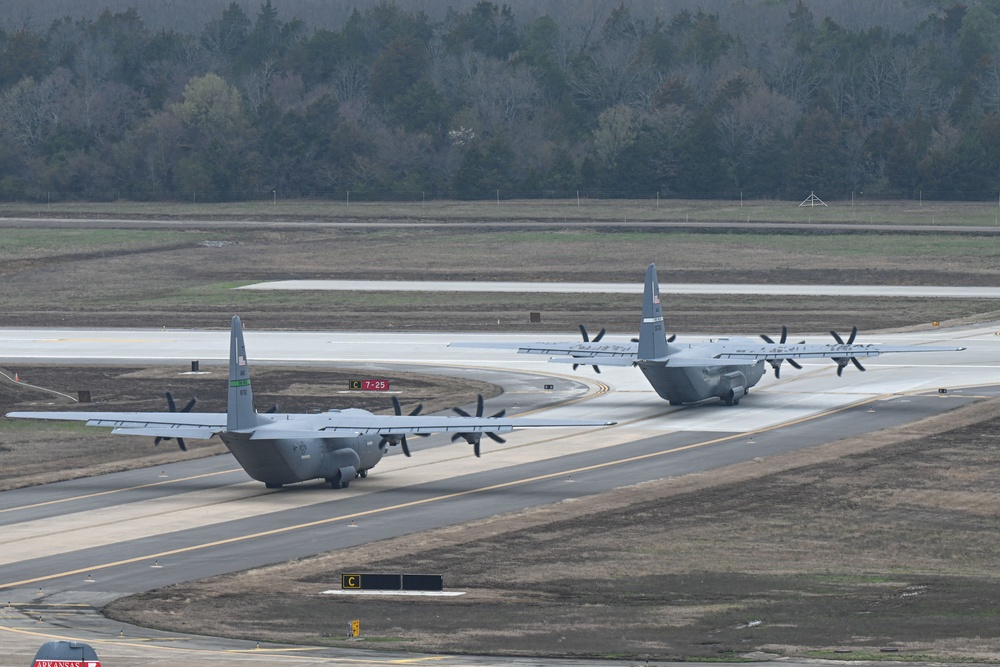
x=652 y=209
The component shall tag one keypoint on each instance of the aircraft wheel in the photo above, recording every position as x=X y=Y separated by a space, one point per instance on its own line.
x=273 y=486
x=363 y=474
x=676 y=403
x=337 y=482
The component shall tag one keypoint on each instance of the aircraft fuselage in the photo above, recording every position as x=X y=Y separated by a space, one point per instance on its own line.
x=694 y=384
x=281 y=461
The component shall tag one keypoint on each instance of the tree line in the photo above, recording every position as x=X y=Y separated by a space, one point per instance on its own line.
x=604 y=101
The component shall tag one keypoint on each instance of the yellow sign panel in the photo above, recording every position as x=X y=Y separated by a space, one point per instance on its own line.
x=350 y=581
x=355 y=628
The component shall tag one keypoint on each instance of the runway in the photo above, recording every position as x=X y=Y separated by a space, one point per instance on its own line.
x=88 y=541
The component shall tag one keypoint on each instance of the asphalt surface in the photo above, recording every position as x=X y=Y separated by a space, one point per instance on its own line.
x=75 y=545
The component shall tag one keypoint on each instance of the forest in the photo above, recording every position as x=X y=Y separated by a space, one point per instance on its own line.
x=390 y=100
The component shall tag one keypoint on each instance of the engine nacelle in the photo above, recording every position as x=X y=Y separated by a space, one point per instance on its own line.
x=734 y=387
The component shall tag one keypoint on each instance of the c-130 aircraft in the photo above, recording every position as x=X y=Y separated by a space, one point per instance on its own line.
x=279 y=449
x=725 y=368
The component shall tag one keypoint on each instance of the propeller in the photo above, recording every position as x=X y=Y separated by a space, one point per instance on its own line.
x=586 y=339
x=843 y=361
x=173 y=408
x=776 y=363
x=393 y=440
x=473 y=438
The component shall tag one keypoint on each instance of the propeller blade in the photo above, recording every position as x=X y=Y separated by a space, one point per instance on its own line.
x=794 y=363
x=583 y=331
x=857 y=363
x=836 y=337
x=474 y=439
x=597 y=369
x=782 y=340
x=173 y=408
x=398 y=410
x=854 y=333
x=600 y=335
x=671 y=339
x=840 y=371
x=272 y=409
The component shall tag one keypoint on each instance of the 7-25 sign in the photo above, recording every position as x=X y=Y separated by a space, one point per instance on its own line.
x=370 y=385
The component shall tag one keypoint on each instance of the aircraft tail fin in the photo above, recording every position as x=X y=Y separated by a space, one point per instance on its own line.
x=240 y=413
x=652 y=338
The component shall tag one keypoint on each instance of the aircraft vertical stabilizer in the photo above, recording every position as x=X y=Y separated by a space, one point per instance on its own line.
x=240 y=414
x=652 y=338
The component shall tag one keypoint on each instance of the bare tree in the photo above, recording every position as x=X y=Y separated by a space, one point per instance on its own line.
x=615 y=73
x=502 y=96
x=153 y=149
x=256 y=83
x=32 y=110
x=751 y=123
x=105 y=111
x=350 y=83
x=989 y=86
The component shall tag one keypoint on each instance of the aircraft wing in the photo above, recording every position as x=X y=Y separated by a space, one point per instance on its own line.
x=338 y=425
x=603 y=351
x=193 y=425
x=779 y=351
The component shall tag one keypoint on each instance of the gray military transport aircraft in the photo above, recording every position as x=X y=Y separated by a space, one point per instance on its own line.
x=278 y=449
x=723 y=368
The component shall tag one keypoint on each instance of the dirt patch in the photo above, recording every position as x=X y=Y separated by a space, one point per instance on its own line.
x=882 y=541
